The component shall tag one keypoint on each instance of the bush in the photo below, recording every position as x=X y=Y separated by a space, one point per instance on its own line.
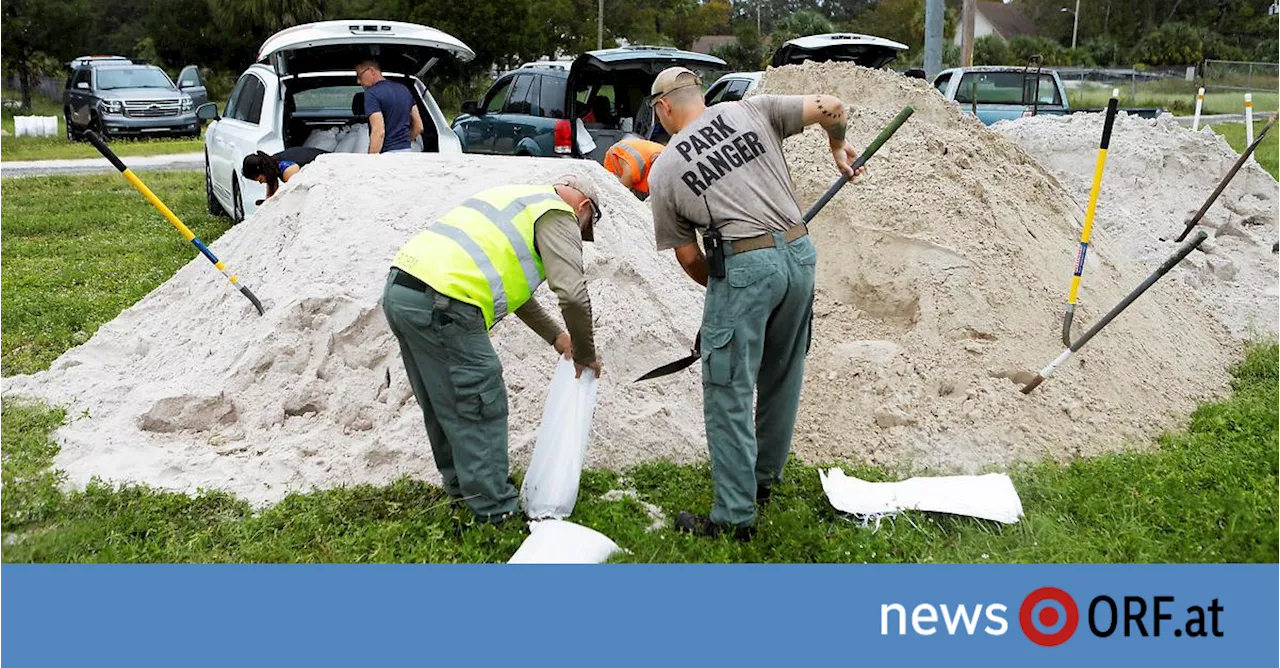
x=1104 y=52
x=1023 y=48
x=1183 y=44
x=991 y=50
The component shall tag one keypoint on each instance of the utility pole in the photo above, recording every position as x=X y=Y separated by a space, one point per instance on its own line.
x=758 y=2
x=600 y=25
x=966 y=36
x=933 y=13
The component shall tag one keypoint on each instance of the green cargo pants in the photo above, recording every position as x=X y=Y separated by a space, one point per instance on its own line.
x=457 y=379
x=755 y=334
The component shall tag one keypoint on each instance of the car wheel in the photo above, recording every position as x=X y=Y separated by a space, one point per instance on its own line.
x=95 y=124
x=237 y=204
x=215 y=207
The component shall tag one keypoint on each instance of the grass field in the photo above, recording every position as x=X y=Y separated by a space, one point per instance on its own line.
x=52 y=148
x=1208 y=494
x=1266 y=153
x=1177 y=102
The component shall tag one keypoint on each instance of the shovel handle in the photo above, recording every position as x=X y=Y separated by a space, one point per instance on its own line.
x=871 y=149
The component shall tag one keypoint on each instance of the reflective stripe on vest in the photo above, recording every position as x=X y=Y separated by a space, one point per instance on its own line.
x=634 y=151
x=482 y=252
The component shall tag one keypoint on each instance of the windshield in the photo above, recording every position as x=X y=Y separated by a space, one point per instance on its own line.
x=1007 y=88
x=132 y=77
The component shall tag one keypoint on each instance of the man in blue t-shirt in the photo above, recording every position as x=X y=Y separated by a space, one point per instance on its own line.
x=394 y=121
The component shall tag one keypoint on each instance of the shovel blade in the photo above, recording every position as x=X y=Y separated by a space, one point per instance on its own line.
x=668 y=369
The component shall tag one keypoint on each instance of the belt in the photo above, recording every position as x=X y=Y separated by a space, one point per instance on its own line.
x=766 y=240
x=402 y=278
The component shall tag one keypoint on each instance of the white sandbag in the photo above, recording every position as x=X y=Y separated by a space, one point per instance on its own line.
x=550 y=488
x=325 y=140
x=353 y=138
x=560 y=542
x=586 y=143
x=35 y=126
x=989 y=497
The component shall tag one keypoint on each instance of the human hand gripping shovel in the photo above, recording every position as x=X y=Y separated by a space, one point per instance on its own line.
x=885 y=134
x=169 y=215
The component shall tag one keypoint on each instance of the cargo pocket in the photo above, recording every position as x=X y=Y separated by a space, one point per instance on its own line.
x=479 y=392
x=803 y=251
x=717 y=356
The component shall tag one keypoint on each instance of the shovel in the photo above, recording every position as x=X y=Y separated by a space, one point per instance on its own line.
x=885 y=134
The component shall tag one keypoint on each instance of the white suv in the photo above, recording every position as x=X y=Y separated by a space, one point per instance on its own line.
x=302 y=91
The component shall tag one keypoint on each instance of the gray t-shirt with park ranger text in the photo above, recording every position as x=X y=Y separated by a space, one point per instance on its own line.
x=728 y=160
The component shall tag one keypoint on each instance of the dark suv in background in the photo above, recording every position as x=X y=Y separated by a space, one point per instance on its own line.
x=114 y=96
x=577 y=109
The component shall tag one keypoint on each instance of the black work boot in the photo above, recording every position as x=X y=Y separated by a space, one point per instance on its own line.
x=762 y=494
x=703 y=526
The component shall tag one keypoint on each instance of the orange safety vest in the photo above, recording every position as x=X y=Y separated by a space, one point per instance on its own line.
x=639 y=154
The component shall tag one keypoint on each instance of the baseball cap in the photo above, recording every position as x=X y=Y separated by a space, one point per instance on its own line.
x=588 y=189
x=670 y=79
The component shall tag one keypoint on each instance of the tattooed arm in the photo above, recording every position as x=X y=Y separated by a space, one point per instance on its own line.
x=828 y=112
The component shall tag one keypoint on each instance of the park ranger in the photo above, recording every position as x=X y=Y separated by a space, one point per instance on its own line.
x=723 y=175
x=448 y=287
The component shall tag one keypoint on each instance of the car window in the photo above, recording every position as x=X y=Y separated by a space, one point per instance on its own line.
x=190 y=76
x=736 y=89
x=251 y=105
x=82 y=76
x=551 y=99
x=233 y=102
x=518 y=101
x=497 y=97
x=132 y=77
x=330 y=99
x=1006 y=88
x=716 y=93
x=941 y=82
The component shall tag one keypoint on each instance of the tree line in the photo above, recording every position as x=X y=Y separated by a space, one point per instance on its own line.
x=222 y=36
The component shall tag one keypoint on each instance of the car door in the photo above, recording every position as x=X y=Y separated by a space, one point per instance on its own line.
x=79 y=95
x=514 y=123
x=236 y=136
x=191 y=83
x=480 y=131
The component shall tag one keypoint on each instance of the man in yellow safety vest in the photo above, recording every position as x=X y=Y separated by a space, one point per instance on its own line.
x=448 y=287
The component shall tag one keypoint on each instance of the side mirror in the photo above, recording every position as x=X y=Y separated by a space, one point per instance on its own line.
x=83 y=85
x=208 y=112
x=472 y=108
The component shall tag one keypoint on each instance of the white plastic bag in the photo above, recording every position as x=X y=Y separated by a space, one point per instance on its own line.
x=550 y=488
x=989 y=497
x=560 y=542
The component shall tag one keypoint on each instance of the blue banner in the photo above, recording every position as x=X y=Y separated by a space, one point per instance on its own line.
x=945 y=615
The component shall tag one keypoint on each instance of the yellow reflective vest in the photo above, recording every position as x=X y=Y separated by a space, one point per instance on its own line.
x=482 y=252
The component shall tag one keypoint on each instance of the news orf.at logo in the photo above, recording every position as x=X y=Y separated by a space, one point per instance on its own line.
x=1049 y=617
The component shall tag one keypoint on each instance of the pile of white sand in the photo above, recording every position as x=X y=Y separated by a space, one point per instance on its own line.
x=1157 y=175
x=941 y=275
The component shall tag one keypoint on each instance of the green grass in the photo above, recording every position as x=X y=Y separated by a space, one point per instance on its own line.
x=79 y=249
x=1207 y=495
x=1177 y=102
x=1267 y=151
x=54 y=148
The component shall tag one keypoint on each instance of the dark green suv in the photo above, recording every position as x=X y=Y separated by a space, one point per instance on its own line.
x=575 y=109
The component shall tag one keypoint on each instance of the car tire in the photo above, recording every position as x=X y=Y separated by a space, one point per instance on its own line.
x=237 y=202
x=211 y=198
x=96 y=124
x=72 y=136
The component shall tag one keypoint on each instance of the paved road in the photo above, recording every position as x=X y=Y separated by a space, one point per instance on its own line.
x=1216 y=118
x=175 y=162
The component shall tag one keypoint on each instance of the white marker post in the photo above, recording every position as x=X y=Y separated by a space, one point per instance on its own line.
x=1248 y=119
x=1195 y=124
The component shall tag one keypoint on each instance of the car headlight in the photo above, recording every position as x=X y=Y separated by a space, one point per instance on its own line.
x=188 y=104
x=112 y=107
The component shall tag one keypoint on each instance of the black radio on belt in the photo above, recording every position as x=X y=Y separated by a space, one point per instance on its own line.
x=713 y=244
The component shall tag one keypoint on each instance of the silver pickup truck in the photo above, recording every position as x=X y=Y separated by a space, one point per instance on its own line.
x=1004 y=93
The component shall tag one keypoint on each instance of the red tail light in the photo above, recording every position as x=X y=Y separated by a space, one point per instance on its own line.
x=563 y=137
